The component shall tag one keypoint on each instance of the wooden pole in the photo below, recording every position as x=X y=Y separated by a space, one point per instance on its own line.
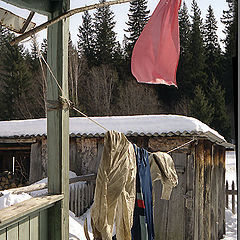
x=226 y=192
x=58 y=123
x=233 y=198
x=64 y=16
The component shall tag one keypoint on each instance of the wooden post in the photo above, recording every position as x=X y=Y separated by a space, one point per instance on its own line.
x=233 y=198
x=226 y=192
x=58 y=124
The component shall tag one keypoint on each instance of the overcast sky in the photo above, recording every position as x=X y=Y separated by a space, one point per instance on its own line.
x=121 y=12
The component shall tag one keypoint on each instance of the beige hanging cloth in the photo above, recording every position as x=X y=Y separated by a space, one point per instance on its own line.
x=162 y=168
x=115 y=189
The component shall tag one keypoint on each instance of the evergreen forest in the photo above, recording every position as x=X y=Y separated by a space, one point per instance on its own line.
x=100 y=80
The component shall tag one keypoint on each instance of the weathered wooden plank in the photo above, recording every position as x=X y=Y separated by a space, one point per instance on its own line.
x=231 y=192
x=15 y=148
x=36 y=169
x=214 y=195
x=40 y=186
x=17 y=140
x=200 y=206
x=189 y=201
x=44 y=225
x=3 y=234
x=71 y=198
x=176 y=209
x=196 y=198
x=75 y=199
x=73 y=156
x=12 y=232
x=24 y=229
x=207 y=189
x=79 y=200
x=87 y=155
x=34 y=226
x=87 y=177
x=82 y=198
x=31 y=188
x=221 y=196
x=20 y=210
x=161 y=208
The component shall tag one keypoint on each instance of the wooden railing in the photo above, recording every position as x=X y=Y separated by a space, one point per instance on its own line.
x=81 y=197
x=232 y=192
x=27 y=219
x=81 y=192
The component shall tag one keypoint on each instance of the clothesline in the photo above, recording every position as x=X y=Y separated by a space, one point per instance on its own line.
x=63 y=95
x=176 y=148
x=64 y=98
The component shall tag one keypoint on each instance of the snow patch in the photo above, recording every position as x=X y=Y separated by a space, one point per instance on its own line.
x=8 y=199
x=76 y=226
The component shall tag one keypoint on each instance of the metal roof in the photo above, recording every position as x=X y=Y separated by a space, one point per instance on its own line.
x=141 y=125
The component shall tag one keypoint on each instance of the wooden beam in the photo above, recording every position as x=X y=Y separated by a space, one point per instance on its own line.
x=231 y=192
x=43 y=7
x=14 y=148
x=18 y=140
x=64 y=16
x=40 y=186
x=87 y=178
x=20 y=210
x=58 y=123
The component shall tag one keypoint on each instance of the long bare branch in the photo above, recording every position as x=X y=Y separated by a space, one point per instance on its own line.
x=64 y=16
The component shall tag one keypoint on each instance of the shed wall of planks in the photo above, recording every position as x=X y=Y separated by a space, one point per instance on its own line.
x=196 y=209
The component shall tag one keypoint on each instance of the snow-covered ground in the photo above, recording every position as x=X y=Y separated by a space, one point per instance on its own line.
x=76 y=225
x=231 y=219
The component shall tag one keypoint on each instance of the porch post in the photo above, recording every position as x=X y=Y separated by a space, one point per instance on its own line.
x=58 y=123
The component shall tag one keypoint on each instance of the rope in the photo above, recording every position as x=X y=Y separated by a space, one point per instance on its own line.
x=63 y=97
x=90 y=118
x=181 y=145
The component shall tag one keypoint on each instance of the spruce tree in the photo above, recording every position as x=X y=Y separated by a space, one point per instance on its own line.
x=86 y=37
x=44 y=48
x=220 y=121
x=105 y=35
x=34 y=58
x=138 y=17
x=230 y=20
x=198 y=76
x=200 y=107
x=183 y=71
x=212 y=46
x=16 y=79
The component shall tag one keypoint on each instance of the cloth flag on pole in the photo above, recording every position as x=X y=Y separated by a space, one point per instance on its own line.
x=156 y=53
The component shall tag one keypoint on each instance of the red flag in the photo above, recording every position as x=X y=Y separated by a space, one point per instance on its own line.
x=156 y=53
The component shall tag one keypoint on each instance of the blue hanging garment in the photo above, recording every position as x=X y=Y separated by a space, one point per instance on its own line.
x=143 y=228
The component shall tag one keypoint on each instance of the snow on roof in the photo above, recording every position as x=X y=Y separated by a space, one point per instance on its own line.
x=143 y=125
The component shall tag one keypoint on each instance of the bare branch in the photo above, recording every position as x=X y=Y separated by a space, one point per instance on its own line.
x=64 y=16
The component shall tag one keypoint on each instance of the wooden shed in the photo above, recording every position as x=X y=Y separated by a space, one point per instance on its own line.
x=196 y=209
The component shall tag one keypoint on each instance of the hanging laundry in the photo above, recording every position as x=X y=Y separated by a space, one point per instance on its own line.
x=162 y=168
x=115 y=189
x=115 y=192
x=156 y=53
x=143 y=228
